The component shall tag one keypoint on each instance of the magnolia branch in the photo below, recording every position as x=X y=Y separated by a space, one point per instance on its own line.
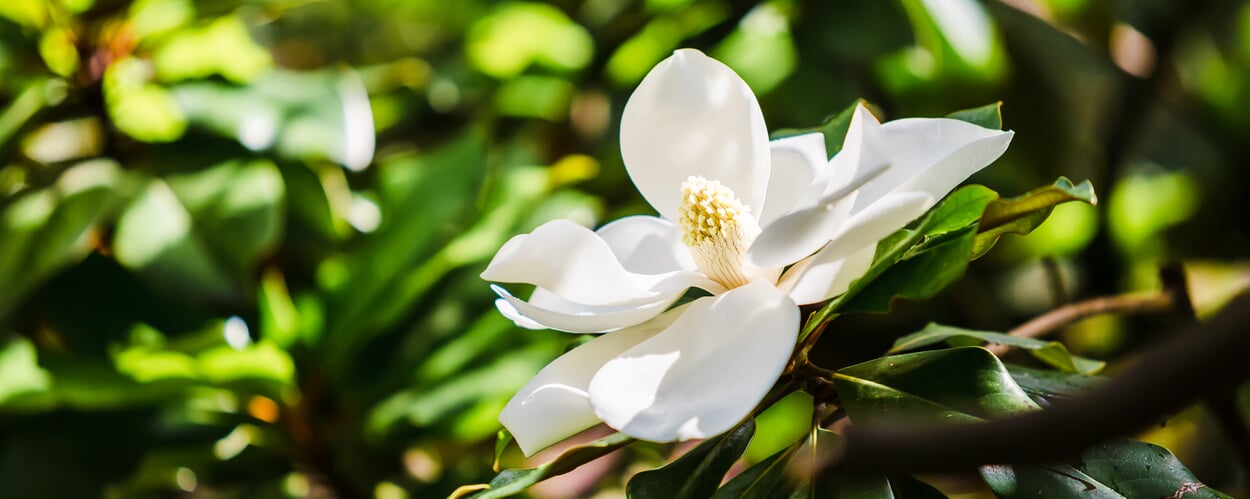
x=1183 y=368
x=1135 y=303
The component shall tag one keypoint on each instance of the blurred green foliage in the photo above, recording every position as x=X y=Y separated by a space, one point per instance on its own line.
x=240 y=239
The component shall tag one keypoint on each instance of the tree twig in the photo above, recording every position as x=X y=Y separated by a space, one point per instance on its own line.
x=1180 y=370
x=1134 y=303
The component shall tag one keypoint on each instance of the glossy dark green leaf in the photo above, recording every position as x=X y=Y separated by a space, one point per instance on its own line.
x=1023 y=213
x=1050 y=352
x=1049 y=385
x=764 y=480
x=987 y=116
x=697 y=473
x=1141 y=469
x=962 y=384
x=924 y=272
x=511 y=482
x=1120 y=468
x=935 y=244
x=834 y=129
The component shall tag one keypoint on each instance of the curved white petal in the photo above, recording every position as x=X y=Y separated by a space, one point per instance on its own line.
x=692 y=115
x=817 y=279
x=796 y=178
x=647 y=245
x=864 y=149
x=554 y=405
x=953 y=150
x=576 y=264
x=932 y=155
x=880 y=219
x=800 y=233
x=547 y=310
x=705 y=372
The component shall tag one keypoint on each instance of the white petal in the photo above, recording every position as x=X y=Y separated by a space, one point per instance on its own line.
x=647 y=245
x=967 y=149
x=692 y=115
x=576 y=264
x=932 y=155
x=800 y=233
x=547 y=310
x=879 y=220
x=554 y=405
x=817 y=279
x=864 y=149
x=705 y=373
x=796 y=177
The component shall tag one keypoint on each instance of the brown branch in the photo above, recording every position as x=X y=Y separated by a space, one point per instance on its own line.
x=1135 y=303
x=1178 y=371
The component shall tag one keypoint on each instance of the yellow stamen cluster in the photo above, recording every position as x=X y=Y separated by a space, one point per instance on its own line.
x=717 y=228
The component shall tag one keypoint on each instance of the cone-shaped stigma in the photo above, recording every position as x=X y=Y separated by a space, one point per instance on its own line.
x=717 y=228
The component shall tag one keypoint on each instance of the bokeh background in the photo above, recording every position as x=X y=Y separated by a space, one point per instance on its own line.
x=240 y=239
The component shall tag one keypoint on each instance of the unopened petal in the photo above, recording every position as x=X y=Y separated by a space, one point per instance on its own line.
x=554 y=405
x=693 y=116
x=705 y=372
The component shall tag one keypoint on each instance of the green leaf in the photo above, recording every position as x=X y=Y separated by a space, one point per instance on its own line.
x=919 y=263
x=1022 y=214
x=298 y=115
x=834 y=128
x=1140 y=469
x=966 y=384
x=1120 y=468
x=764 y=480
x=509 y=482
x=19 y=370
x=938 y=247
x=963 y=384
x=697 y=473
x=1050 y=352
x=987 y=116
x=969 y=384
x=205 y=230
x=924 y=272
x=1049 y=385
x=49 y=229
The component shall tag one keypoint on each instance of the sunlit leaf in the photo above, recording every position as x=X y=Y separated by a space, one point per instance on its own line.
x=834 y=129
x=49 y=229
x=1050 y=352
x=987 y=116
x=1049 y=385
x=696 y=473
x=510 y=482
x=515 y=35
x=765 y=479
x=19 y=370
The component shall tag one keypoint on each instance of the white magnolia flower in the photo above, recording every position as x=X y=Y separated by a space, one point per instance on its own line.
x=762 y=226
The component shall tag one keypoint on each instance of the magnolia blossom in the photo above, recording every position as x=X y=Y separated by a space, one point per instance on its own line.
x=762 y=226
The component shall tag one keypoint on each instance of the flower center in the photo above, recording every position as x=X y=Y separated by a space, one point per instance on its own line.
x=717 y=228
